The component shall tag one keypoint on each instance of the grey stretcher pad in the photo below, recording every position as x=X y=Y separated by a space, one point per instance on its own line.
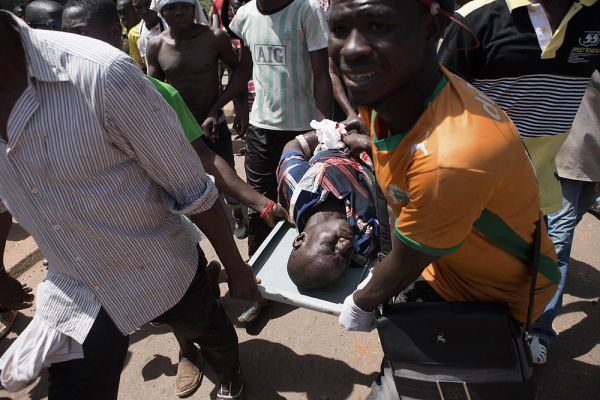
x=270 y=265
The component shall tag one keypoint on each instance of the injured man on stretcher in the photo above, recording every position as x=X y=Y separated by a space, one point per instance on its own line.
x=331 y=197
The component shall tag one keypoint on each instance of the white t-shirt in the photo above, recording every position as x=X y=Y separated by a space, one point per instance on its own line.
x=146 y=34
x=282 y=73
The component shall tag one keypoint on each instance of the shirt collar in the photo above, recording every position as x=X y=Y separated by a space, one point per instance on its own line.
x=513 y=4
x=43 y=62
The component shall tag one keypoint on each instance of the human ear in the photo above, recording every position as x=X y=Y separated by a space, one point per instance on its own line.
x=299 y=241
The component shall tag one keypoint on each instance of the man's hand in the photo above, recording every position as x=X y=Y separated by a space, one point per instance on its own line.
x=240 y=123
x=274 y=214
x=358 y=143
x=354 y=122
x=353 y=318
x=209 y=126
x=14 y=295
x=243 y=284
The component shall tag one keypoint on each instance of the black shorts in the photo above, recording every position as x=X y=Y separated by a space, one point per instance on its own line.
x=222 y=146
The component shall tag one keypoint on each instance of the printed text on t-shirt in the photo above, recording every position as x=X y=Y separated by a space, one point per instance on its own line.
x=269 y=54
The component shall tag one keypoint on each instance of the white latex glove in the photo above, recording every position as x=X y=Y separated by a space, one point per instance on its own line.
x=353 y=318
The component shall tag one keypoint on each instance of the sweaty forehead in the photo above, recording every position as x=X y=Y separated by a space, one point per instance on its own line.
x=121 y=4
x=368 y=7
x=141 y=3
x=74 y=16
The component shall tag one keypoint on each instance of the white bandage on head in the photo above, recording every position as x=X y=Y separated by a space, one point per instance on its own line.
x=199 y=17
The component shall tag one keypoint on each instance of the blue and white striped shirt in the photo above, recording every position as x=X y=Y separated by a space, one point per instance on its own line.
x=98 y=170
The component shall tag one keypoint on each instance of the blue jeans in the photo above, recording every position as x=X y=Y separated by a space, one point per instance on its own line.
x=578 y=197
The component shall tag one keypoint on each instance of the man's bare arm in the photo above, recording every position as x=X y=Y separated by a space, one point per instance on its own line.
x=353 y=120
x=312 y=141
x=241 y=66
x=338 y=91
x=241 y=71
x=322 y=89
x=228 y=182
x=241 y=121
x=241 y=281
x=154 y=69
x=401 y=267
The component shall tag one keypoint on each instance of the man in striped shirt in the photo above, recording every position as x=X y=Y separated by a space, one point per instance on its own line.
x=99 y=17
x=535 y=59
x=102 y=184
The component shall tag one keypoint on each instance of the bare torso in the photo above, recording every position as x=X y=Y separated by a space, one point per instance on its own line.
x=191 y=66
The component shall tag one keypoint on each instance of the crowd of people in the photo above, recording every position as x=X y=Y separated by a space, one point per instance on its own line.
x=480 y=120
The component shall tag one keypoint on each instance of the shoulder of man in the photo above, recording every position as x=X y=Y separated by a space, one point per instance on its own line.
x=134 y=32
x=163 y=88
x=78 y=47
x=476 y=8
x=306 y=8
x=488 y=137
x=245 y=10
x=155 y=42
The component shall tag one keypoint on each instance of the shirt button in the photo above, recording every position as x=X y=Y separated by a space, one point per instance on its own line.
x=97 y=287
x=35 y=190
x=78 y=259
x=56 y=227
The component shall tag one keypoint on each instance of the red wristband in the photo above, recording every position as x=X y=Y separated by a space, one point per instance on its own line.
x=266 y=210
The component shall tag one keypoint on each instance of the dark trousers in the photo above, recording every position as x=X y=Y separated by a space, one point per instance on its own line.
x=263 y=151
x=222 y=146
x=197 y=316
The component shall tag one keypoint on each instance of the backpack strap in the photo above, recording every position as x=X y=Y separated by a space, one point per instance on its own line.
x=498 y=232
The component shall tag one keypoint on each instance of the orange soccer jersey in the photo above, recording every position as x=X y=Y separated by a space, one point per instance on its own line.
x=460 y=171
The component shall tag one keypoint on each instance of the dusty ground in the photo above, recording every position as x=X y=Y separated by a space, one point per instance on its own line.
x=299 y=354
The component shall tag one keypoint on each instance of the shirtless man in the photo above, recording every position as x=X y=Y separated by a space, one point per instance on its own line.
x=187 y=56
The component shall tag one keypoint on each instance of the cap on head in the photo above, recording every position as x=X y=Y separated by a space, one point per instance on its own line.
x=157 y=5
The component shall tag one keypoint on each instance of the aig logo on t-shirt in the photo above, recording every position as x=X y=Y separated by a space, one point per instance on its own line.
x=269 y=54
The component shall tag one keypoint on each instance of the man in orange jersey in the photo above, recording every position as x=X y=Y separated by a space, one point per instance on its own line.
x=449 y=161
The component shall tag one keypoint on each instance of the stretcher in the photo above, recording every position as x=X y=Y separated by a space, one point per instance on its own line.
x=270 y=265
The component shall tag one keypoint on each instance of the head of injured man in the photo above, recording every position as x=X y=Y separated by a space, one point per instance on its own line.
x=321 y=253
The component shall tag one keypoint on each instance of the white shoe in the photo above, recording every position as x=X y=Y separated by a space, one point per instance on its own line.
x=252 y=311
x=539 y=350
